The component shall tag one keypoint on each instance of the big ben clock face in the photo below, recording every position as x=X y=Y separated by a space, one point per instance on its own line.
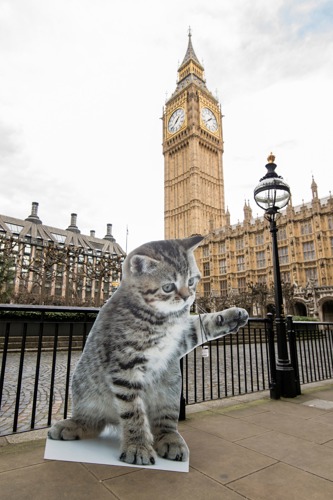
x=209 y=119
x=176 y=120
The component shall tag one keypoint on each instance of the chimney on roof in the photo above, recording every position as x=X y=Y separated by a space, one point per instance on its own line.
x=108 y=235
x=33 y=217
x=92 y=233
x=73 y=227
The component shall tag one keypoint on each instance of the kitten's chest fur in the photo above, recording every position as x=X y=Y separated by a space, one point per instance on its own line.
x=165 y=348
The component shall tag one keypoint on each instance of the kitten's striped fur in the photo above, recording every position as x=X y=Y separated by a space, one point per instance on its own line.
x=129 y=372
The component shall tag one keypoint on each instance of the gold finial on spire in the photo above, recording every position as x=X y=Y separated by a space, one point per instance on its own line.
x=271 y=158
x=189 y=31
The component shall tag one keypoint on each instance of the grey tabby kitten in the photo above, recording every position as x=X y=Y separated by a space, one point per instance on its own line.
x=129 y=372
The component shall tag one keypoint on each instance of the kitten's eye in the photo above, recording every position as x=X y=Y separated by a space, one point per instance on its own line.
x=169 y=287
x=191 y=282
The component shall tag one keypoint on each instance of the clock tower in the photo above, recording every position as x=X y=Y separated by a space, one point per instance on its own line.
x=193 y=149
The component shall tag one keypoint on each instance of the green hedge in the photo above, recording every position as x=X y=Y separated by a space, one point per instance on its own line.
x=304 y=318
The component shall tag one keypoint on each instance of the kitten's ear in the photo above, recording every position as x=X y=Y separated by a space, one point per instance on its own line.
x=193 y=242
x=142 y=264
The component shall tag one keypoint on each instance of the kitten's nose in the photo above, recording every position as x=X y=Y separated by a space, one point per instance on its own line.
x=184 y=293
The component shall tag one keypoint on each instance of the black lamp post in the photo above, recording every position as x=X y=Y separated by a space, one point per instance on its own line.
x=272 y=194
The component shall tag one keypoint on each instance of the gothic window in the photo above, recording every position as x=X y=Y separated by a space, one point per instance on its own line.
x=330 y=222
x=222 y=247
x=281 y=234
x=261 y=260
x=223 y=266
x=283 y=255
x=206 y=269
x=311 y=274
x=241 y=285
x=306 y=227
x=205 y=251
x=309 y=250
x=240 y=263
x=260 y=239
x=239 y=243
x=207 y=289
x=285 y=276
x=332 y=246
x=223 y=288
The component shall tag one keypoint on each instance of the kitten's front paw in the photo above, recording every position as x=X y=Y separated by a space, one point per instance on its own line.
x=172 y=446
x=230 y=320
x=138 y=454
x=66 y=430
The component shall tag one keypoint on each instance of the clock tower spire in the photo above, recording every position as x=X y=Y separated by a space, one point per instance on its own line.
x=193 y=149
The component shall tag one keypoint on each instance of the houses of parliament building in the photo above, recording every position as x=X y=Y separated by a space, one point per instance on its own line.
x=236 y=260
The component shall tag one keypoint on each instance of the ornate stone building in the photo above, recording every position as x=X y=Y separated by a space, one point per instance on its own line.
x=236 y=260
x=46 y=265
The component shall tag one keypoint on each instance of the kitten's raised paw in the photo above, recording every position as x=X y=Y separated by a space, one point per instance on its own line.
x=172 y=447
x=138 y=455
x=66 y=430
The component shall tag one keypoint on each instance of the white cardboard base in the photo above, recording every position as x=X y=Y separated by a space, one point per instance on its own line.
x=102 y=450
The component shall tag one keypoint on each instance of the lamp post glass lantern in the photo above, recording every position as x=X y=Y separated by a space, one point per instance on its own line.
x=273 y=194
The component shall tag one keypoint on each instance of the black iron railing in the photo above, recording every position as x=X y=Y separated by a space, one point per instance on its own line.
x=229 y=366
x=39 y=347
x=39 y=351
x=314 y=350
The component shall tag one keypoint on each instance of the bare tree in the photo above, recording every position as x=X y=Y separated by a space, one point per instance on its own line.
x=7 y=267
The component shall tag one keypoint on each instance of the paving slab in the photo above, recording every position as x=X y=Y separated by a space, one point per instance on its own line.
x=322 y=404
x=220 y=459
x=294 y=425
x=301 y=410
x=283 y=482
x=300 y=453
x=14 y=457
x=225 y=426
x=52 y=481
x=158 y=485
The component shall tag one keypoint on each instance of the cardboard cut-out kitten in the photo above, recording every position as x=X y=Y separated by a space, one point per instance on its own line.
x=129 y=372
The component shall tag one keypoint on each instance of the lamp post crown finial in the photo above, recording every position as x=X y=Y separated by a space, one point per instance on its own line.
x=271 y=158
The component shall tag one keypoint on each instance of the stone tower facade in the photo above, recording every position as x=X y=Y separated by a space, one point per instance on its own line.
x=193 y=149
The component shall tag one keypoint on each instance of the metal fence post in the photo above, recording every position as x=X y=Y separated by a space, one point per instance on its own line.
x=273 y=385
x=182 y=406
x=293 y=351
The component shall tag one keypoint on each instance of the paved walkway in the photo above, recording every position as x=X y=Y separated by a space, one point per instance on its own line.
x=245 y=447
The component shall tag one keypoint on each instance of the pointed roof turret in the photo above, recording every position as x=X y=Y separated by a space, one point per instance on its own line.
x=190 y=71
x=227 y=217
x=247 y=211
x=190 y=67
x=190 y=54
x=314 y=188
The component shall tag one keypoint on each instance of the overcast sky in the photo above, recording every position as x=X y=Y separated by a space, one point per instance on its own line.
x=82 y=89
